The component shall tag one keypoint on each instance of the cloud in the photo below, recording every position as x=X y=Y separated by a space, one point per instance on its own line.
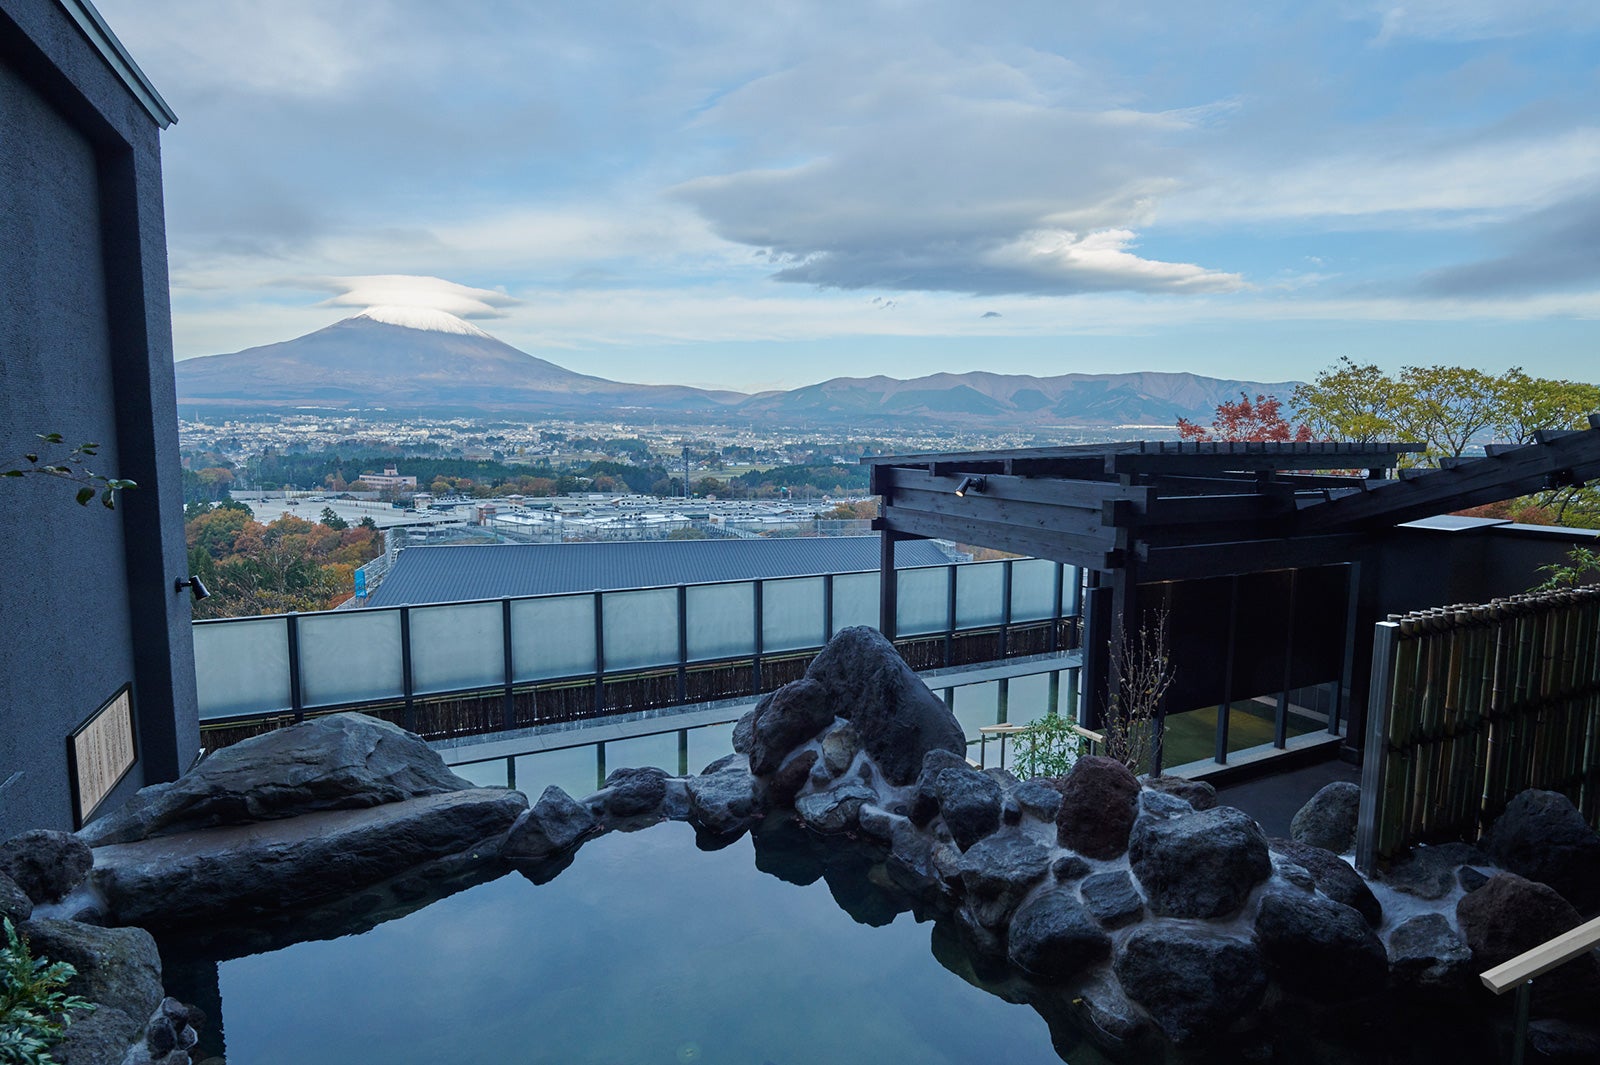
x=991 y=314
x=1480 y=20
x=1554 y=249
x=944 y=171
x=404 y=290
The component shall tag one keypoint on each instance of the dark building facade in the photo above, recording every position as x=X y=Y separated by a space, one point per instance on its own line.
x=88 y=603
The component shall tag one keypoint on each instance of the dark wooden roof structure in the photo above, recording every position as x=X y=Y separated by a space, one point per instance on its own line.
x=1179 y=510
x=1144 y=513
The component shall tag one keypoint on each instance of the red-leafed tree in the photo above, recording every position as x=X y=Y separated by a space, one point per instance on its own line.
x=1244 y=420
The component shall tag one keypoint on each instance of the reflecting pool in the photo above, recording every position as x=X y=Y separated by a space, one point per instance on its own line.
x=646 y=950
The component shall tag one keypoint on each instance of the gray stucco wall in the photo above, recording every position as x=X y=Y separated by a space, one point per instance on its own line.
x=86 y=596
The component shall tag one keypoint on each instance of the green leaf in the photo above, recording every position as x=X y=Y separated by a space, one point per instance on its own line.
x=108 y=497
x=84 y=495
x=50 y=438
x=11 y=473
x=31 y=457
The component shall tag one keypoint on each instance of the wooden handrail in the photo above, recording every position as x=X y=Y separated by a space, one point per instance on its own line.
x=1093 y=737
x=1543 y=958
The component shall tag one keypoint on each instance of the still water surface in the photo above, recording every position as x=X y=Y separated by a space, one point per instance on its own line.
x=646 y=950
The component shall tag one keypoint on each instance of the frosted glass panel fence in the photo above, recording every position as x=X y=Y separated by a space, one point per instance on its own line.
x=721 y=620
x=552 y=637
x=457 y=646
x=250 y=666
x=350 y=656
x=242 y=666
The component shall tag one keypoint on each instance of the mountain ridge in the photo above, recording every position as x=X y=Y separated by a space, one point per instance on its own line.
x=401 y=358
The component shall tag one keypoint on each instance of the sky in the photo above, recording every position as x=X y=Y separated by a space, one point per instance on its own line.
x=766 y=195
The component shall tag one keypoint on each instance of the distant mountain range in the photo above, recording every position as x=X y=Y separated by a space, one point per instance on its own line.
x=404 y=359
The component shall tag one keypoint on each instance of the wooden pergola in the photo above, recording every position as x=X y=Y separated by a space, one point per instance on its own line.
x=1144 y=513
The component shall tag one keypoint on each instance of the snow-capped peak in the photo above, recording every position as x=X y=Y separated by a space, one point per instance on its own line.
x=422 y=318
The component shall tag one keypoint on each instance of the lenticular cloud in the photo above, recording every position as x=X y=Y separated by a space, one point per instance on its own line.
x=420 y=293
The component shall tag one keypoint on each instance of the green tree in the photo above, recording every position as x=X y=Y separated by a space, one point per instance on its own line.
x=1446 y=407
x=1527 y=404
x=331 y=519
x=1351 y=402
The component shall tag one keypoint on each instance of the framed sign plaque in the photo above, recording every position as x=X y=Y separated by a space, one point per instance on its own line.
x=100 y=752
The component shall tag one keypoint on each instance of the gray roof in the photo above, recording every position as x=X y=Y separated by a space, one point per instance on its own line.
x=446 y=574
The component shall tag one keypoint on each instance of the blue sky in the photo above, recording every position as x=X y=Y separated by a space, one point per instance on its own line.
x=766 y=195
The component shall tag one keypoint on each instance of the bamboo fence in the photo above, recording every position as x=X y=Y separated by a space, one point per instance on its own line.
x=1482 y=702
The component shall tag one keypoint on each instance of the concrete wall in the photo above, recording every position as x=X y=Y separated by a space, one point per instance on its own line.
x=86 y=595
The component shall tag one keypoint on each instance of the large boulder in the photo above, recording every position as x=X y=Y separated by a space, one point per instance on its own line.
x=1202 y=865
x=556 y=823
x=784 y=720
x=1333 y=876
x=1112 y=899
x=633 y=792
x=234 y=873
x=895 y=715
x=998 y=872
x=1543 y=837
x=1427 y=954
x=722 y=801
x=338 y=762
x=1054 y=938
x=1193 y=982
x=118 y=969
x=786 y=783
x=45 y=864
x=969 y=801
x=1197 y=793
x=1319 y=948
x=1328 y=820
x=1509 y=915
x=837 y=809
x=1099 y=801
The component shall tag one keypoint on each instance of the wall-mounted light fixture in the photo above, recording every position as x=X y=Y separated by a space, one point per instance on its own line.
x=969 y=484
x=194 y=583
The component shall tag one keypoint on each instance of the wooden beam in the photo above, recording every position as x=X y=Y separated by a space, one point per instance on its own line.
x=1090 y=551
x=1063 y=493
x=1487 y=480
x=1323 y=457
x=1076 y=521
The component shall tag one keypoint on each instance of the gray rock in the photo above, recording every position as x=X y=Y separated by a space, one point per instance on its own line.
x=897 y=718
x=1429 y=872
x=925 y=801
x=15 y=905
x=1427 y=954
x=1332 y=876
x=1053 y=937
x=118 y=969
x=1112 y=899
x=1543 y=837
x=1194 y=983
x=998 y=871
x=724 y=803
x=734 y=759
x=744 y=730
x=1471 y=879
x=1099 y=801
x=786 y=783
x=1112 y=1021
x=338 y=762
x=1328 y=820
x=969 y=801
x=839 y=747
x=837 y=809
x=1317 y=947
x=1153 y=803
x=879 y=824
x=1069 y=867
x=168 y=1037
x=45 y=864
x=1001 y=776
x=1297 y=875
x=784 y=720
x=556 y=822
x=233 y=873
x=1037 y=800
x=1197 y=793
x=1203 y=865
x=634 y=792
x=1557 y=1042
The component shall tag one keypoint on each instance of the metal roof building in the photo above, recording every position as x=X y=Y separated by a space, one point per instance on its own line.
x=447 y=574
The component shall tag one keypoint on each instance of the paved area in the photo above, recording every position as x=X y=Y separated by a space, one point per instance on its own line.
x=1273 y=801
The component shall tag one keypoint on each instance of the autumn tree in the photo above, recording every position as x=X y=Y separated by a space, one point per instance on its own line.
x=288 y=564
x=1261 y=420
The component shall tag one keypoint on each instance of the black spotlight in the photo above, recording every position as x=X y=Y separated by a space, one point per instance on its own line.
x=969 y=484
x=192 y=582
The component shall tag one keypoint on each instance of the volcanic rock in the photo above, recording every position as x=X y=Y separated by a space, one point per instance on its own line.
x=45 y=864
x=1543 y=837
x=1194 y=983
x=1203 y=865
x=1328 y=820
x=1099 y=801
x=1054 y=938
x=1318 y=947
